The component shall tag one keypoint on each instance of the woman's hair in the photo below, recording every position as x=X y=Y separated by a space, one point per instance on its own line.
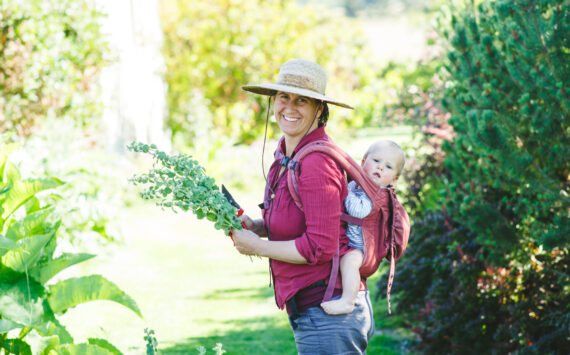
x=324 y=117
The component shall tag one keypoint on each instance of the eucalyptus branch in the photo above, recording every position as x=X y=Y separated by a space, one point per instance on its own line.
x=180 y=183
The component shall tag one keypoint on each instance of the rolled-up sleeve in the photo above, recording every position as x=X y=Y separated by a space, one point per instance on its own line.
x=322 y=189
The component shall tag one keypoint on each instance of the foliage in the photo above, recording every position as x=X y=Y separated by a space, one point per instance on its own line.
x=211 y=49
x=180 y=183
x=30 y=260
x=487 y=270
x=151 y=342
x=90 y=202
x=50 y=54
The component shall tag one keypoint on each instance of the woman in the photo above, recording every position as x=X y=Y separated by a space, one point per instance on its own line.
x=301 y=244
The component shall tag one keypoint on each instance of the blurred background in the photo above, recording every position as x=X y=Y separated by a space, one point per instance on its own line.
x=474 y=91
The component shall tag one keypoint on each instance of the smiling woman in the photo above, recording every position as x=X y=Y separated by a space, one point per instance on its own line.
x=302 y=243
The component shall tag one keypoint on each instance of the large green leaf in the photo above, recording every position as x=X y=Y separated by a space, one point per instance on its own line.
x=52 y=327
x=7 y=245
x=44 y=272
x=6 y=325
x=28 y=254
x=22 y=190
x=21 y=302
x=34 y=223
x=16 y=346
x=105 y=344
x=72 y=292
x=81 y=349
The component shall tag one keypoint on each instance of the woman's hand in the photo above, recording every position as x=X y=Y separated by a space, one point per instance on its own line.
x=255 y=225
x=246 y=242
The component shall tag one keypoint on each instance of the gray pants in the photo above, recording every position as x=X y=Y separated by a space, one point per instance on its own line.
x=319 y=333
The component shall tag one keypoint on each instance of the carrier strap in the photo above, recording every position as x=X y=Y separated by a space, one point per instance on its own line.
x=332 y=279
x=351 y=219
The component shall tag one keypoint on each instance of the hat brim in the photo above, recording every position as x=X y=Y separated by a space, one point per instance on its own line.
x=271 y=89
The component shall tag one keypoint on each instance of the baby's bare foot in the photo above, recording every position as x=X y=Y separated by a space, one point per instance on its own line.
x=337 y=307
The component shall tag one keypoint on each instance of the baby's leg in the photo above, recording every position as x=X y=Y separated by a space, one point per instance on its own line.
x=349 y=269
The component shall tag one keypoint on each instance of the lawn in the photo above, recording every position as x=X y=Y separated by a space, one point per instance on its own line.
x=194 y=290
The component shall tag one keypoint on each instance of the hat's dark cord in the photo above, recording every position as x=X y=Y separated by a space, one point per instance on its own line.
x=279 y=179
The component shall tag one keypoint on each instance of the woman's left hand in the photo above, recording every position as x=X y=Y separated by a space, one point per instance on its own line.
x=247 y=242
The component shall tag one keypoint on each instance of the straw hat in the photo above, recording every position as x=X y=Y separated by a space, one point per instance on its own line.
x=301 y=77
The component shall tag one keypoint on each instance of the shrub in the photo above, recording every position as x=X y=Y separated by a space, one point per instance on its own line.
x=211 y=49
x=50 y=54
x=488 y=270
x=30 y=259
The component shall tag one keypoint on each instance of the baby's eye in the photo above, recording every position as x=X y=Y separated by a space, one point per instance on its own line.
x=389 y=166
x=376 y=160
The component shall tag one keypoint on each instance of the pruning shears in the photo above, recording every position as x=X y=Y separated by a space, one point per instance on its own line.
x=233 y=202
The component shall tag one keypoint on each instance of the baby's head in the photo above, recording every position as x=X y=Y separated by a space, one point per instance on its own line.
x=383 y=162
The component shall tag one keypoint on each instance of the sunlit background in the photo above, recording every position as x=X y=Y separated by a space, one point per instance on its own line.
x=80 y=80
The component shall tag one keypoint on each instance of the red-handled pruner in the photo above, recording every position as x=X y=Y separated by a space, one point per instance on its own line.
x=233 y=202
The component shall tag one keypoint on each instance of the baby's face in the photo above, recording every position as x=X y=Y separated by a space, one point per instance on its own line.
x=382 y=164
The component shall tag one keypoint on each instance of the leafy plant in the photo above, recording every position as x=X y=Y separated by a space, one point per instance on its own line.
x=51 y=52
x=180 y=183
x=151 y=342
x=487 y=265
x=30 y=297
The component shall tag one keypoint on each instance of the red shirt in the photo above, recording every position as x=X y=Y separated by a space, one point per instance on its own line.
x=316 y=231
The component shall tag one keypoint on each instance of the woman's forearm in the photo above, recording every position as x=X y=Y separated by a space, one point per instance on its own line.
x=249 y=243
x=281 y=250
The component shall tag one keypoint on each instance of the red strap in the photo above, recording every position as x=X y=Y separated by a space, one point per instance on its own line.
x=390 y=279
x=332 y=278
x=351 y=219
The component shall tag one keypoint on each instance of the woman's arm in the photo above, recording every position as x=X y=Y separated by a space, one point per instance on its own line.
x=249 y=243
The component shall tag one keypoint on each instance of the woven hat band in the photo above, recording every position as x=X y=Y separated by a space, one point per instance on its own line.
x=301 y=82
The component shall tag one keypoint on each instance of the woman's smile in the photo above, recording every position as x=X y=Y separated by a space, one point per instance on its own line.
x=296 y=115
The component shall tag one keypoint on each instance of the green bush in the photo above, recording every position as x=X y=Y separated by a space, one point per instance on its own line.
x=50 y=54
x=32 y=296
x=213 y=47
x=487 y=270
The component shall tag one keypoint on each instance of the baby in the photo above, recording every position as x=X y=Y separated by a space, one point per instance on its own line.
x=383 y=162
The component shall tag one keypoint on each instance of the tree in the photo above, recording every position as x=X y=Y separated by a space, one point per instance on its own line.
x=487 y=270
x=50 y=54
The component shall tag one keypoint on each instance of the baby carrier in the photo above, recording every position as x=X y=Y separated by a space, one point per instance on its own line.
x=385 y=230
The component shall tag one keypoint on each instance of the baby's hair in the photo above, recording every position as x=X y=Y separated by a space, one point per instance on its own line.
x=391 y=144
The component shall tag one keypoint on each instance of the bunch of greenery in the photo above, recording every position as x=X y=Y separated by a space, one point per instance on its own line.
x=50 y=54
x=31 y=299
x=487 y=265
x=180 y=183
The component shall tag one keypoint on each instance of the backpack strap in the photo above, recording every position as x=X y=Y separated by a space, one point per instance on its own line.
x=346 y=162
x=351 y=168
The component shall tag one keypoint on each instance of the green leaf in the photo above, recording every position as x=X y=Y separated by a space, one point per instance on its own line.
x=6 y=325
x=44 y=272
x=16 y=346
x=81 y=349
x=7 y=244
x=103 y=343
x=34 y=223
x=72 y=292
x=29 y=252
x=22 y=191
x=20 y=302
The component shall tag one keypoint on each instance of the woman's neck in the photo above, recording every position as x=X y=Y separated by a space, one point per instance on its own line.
x=290 y=145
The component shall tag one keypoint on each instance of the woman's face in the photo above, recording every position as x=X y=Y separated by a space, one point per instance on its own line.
x=295 y=114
